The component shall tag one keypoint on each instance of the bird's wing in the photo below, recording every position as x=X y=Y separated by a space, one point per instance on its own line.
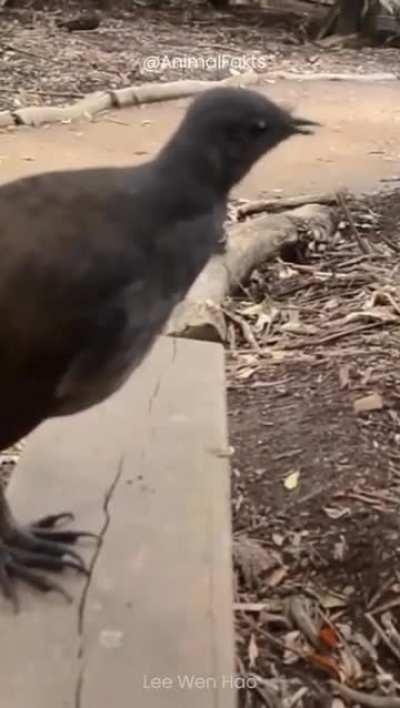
x=64 y=251
x=83 y=274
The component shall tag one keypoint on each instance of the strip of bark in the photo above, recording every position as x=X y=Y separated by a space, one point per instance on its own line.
x=150 y=93
x=101 y=101
x=250 y=243
x=277 y=204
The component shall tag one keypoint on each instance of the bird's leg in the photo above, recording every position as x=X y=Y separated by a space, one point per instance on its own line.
x=39 y=545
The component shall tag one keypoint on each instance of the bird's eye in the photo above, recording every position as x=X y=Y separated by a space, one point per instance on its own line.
x=258 y=126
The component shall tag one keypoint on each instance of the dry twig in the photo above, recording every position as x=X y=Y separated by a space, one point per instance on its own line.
x=363 y=244
x=383 y=636
x=366 y=699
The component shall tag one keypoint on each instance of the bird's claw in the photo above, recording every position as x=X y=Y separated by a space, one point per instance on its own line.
x=38 y=546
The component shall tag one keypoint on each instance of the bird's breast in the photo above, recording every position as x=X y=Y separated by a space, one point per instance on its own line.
x=101 y=369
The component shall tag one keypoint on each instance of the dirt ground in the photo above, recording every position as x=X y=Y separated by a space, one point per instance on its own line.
x=315 y=478
x=42 y=63
x=347 y=151
x=316 y=485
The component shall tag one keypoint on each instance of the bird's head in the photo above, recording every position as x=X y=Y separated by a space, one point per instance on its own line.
x=228 y=129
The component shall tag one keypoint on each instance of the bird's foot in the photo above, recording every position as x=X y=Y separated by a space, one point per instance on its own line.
x=38 y=546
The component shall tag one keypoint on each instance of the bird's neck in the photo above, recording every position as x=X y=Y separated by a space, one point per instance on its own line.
x=195 y=164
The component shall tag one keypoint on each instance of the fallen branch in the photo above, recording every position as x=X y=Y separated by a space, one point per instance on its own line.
x=316 y=342
x=85 y=108
x=289 y=76
x=199 y=316
x=281 y=203
x=150 y=93
x=100 y=101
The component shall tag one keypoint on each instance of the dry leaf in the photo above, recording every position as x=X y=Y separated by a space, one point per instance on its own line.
x=332 y=304
x=294 y=317
x=350 y=666
x=278 y=539
x=245 y=373
x=252 y=652
x=373 y=402
x=278 y=355
x=337 y=703
x=276 y=577
x=366 y=377
x=264 y=321
x=339 y=549
x=252 y=560
x=275 y=605
x=335 y=512
x=294 y=647
x=330 y=601
x=344 y=376
x=292 y=480
x=249 y=360
x=299 y=328
x=326 y=663
x=249 y=606
x=329 y=637
x=261 y=308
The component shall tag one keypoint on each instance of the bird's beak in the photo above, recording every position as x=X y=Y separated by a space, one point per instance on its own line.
x=304 y=126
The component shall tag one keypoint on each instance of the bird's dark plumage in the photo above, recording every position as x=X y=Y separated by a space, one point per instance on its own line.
x=93 y=261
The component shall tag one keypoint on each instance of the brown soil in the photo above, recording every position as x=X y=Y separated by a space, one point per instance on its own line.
x=347 y=151
x=336 y=533
x=41 y=63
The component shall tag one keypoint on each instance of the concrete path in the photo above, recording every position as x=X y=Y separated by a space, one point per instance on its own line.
x=148 y=470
